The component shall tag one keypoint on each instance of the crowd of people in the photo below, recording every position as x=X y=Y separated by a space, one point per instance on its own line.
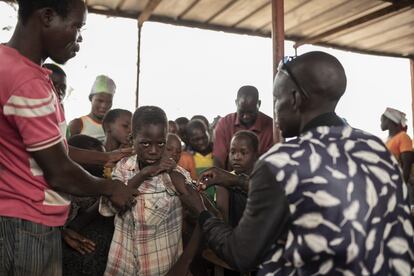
x=137 y=193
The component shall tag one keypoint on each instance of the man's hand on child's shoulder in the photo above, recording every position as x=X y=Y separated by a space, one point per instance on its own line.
x=116 y=155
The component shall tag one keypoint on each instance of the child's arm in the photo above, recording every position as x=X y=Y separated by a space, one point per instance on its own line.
x=84 y=218
x=222 y=201
x=166 y=164
x=180 y=183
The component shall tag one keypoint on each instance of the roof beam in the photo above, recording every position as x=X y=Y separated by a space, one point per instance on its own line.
x=363 y=19
x=251 y=14
x=228 y=5
x=148 y=10
x=188 y=9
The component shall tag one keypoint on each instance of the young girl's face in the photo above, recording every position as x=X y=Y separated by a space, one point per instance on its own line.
x=173 y=148
x=149 y=143
x=120 y=130
x=242 y=156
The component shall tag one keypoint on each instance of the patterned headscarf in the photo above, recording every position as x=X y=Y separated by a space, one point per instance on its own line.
x=396 y=116
x=103 y=84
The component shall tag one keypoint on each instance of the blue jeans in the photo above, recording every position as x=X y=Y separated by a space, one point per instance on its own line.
x=28 y=248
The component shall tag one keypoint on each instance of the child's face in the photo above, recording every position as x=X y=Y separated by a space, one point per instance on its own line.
x=173 y=148
x=101 y=103
x=149 y=143
x=242 y=156
x=121 y=129
x=199 y=139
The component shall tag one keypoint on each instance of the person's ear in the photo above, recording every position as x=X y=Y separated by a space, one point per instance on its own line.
x=46 y=16
x=296 y=100
x=259 y=102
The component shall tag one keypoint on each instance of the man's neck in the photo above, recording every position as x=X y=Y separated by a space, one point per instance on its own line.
x=95 y=118
x=27 y=47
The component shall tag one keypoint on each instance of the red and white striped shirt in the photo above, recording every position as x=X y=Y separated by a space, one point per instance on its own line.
x=31 y=119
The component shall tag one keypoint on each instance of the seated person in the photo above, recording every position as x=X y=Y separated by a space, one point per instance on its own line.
x=87 y=234
x=101 y=96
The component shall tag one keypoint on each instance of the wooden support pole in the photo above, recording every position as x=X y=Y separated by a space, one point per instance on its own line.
x=412 y=89
x=278 y=41
x=138 y=66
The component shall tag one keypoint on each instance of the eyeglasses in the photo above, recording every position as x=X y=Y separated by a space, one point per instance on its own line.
x=284 y=67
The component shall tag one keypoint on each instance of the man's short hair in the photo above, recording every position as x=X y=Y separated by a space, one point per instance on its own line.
x=27 y=7
x=146 y=115
x=248 y=91
x=54 y=68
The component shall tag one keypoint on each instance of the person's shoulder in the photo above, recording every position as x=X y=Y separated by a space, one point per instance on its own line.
x=127 y=163
x=18 y=71
x=265 y=119
x=228 y=119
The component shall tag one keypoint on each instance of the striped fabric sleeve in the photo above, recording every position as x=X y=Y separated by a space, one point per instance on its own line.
x=32 y=110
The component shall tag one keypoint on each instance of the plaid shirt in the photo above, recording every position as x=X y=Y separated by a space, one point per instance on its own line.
x=147 y=239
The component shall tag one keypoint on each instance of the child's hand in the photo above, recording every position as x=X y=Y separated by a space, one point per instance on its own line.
x=78 y=242
x=166 y=164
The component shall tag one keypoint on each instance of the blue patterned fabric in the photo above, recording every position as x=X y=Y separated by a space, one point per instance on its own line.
x=348 y=204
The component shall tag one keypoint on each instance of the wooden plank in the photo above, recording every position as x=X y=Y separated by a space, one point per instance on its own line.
x=172 y=8
x=149 y=9
x=377 y=14
x=189 y=8
x=373 y=28
x=218 y=13
x=237 y=11
x=259 y=10
x=336 y=16
x=205 y=9
x=387 y=35
x=131 y=6
x=307 y=11
x=257 y=20
x=395 y=44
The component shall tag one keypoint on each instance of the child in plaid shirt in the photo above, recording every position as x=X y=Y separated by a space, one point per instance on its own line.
x=147 y=239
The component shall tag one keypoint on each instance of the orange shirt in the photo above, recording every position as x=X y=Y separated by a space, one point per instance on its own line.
x=187 y=163
x=399 y=143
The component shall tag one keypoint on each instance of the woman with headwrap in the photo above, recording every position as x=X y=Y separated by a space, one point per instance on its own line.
x=398 y=142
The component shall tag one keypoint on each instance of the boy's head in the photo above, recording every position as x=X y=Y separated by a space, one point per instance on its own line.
x=244 y=149
x=101 y=95
x=86 y=142
x=172 y=127
x=182 y=123
x=198 y=136
x=202 y=118
x=58 y=77
x=117 y=125
x=149 y=131
x=54 y=25
x=173 y=148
